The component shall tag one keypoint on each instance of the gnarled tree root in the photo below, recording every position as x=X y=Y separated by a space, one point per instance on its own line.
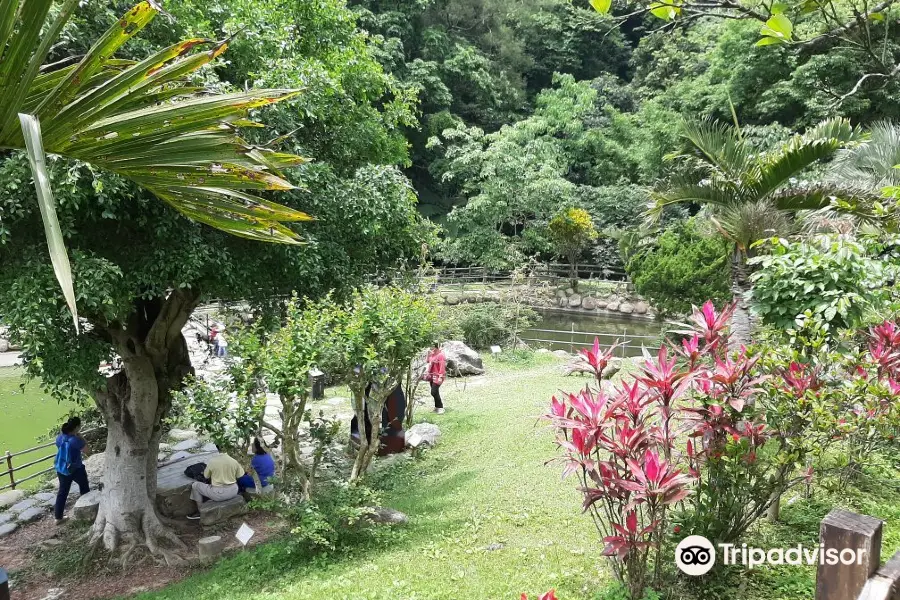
x=127 y=535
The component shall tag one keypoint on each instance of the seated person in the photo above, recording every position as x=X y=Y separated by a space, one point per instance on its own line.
x=262 y=463
x=222 y=471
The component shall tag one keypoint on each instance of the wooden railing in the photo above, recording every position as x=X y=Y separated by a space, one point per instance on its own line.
x=625 y=340
x=544 y=272
x=12 y=470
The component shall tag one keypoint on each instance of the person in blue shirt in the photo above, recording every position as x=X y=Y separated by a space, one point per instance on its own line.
x=262 y=463
x=69 y=465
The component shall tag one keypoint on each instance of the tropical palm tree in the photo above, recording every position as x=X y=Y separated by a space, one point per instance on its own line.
x=141 y=119
x=749 y=193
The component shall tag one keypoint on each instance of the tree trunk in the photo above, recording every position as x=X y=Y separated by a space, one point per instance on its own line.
x=156 y=360
x=742 y=320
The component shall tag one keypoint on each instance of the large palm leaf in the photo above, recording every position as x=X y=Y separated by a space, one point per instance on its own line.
x=143 y=120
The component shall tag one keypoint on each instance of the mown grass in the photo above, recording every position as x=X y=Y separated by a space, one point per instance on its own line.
x=27 y=414
x=490 y=520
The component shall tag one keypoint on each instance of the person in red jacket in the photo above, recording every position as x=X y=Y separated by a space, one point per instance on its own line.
x=437 y=370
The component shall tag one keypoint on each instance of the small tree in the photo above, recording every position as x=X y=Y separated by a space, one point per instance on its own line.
x=384 y=330
x=572 y=230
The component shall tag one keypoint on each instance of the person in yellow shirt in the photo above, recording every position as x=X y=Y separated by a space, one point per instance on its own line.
x=222 y=471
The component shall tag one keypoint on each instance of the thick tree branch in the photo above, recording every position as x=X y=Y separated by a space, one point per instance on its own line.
x=859 y=19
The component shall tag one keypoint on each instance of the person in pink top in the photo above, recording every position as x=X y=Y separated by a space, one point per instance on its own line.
x=437 y=370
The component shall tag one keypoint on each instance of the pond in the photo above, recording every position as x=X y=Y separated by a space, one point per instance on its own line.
x=564 y=330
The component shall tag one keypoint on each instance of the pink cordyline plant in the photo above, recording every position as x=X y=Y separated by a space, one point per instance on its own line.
x=551 y=595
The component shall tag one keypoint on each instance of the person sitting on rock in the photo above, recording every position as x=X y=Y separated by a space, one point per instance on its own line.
x=262 y=463
x=222 y=471
x=69 y=465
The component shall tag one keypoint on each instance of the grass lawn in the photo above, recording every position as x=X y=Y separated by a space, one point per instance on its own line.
x=489 y=520
x=26 y=415
x=486 y=484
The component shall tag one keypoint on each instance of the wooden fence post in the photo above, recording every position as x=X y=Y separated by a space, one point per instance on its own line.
x=843 y=530
x=4 y=585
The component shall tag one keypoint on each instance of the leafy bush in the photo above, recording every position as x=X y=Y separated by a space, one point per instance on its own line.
x=490 y=324
x=684 y=268
x=835 y=277
x=230 y=422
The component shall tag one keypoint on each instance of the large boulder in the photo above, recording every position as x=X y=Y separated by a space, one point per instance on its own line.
x=641 y=308
x=217 y=512
x=462 y=360
x=95 y=465
x=626 y=308
x=173 y=487
x=210 y=547
x=427 y=433
x=613 y=306
x=87 y=506
x=575 y=300
x=589 y=303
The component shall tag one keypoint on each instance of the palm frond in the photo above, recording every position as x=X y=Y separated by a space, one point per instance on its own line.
x=873 y=162
x=719 y=145
x=778 y=167
x=144 y=120
x=822 y=195
x=684 y=190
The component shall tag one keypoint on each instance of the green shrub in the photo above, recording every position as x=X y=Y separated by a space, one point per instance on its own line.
x=489 y=324
x=684 y=268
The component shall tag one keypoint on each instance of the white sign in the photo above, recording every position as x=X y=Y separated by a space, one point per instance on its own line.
x=495 y=349
x=414 y=439
x=244 y=534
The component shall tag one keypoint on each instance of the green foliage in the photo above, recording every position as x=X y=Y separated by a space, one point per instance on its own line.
x=836 y=278
x=685 y=267
x=571 y=230
x=484 y=325
x=229 y=422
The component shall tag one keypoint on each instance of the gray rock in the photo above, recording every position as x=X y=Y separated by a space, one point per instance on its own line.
x=641 y=308
x=7 y=517
x=7 y=529
x=54 y=594
x=182 y=434
x=614 y=306
x=87 y=506
x=626 y=308
x=4 y=345
x=210 y=447
x=575 y=300
x=161 y=457
x=462 y=360
x=45 y=497
x=602 y=304
x=180 y=456
x=186 y=445
x=173 y=487
x=216 y=512
x=95 y=465
x=429 y=434
x=452 y=299
x=563 y=302
x=589 y=303
x=570 y=291
x=24 y=505
x=164 y=447
x=210 y=547
x=561 y=354
x=542 y=351
x=32 y=514
x=493 y=547
x=11 y=497
x=560 y=293
x=386 y=516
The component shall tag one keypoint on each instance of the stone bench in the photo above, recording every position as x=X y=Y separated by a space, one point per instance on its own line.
x=212 y=512
x=173 y=487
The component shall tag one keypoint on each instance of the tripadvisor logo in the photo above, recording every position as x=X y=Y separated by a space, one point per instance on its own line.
x=695 y=555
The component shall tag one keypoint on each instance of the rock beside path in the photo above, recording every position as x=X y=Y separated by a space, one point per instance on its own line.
x=462 y=360
x=216 y=512
x=8 y=528
x=95 y=465
x=428 y=434
x=87 y=506
x=173 y=487
x=189 y=444
x=11 y=497
x=210 y=547
x=22 y=506
x=32 y=514
x=182 y=434
x=386 y=516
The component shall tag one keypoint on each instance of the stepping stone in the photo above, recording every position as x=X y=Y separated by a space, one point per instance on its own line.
x=46 y=497
x=32 y=514
x=24 y=505
x=180 y=456
x=182 y=434
x=216 y=512
x=186 y=445
x=211 y=547
x=11 y=497
x=210 y=447
x=87 y=506
x=7 y=517
x=7 y=529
